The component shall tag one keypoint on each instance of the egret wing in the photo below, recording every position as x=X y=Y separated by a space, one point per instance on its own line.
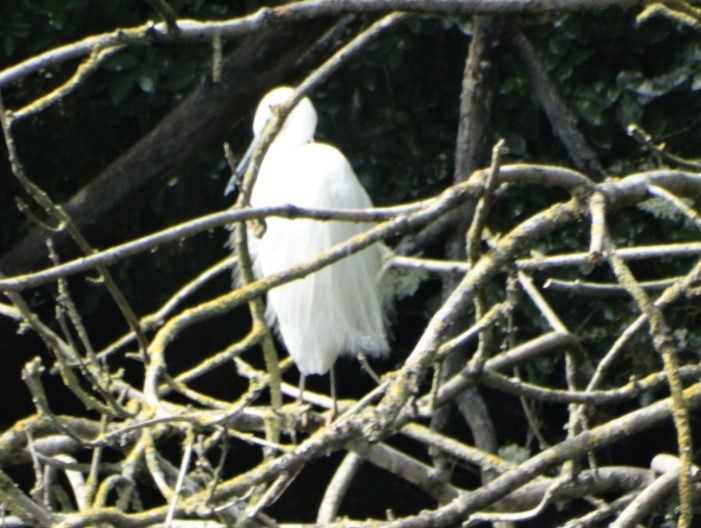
x=336 y=309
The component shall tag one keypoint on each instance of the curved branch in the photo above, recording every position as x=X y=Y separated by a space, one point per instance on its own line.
x=193 y=30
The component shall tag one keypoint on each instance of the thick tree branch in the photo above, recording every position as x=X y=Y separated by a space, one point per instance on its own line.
x=201 y=119
x=560 y=117
x=193 y=30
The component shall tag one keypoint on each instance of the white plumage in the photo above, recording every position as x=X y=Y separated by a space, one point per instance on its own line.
x=339 y=308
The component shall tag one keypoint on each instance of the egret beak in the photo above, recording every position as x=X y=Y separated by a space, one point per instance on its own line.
x=237 y=176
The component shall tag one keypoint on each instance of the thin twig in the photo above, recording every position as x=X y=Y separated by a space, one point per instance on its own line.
x=57 y=212
x=664 y=345
x=337 y=488
x=184 y=464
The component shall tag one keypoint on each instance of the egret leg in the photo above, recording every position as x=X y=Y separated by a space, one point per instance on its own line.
x=334 y=409
x=300 y=390
x=300 y=401
x=367 y=368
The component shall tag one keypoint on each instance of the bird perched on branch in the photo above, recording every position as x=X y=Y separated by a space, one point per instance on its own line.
x=338 y=309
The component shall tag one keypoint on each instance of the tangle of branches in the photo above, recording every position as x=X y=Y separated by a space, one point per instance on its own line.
x=156 y=452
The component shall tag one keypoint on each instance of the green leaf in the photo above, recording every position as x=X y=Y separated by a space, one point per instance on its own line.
x=696 y=81
x=147 y=81
x=514 y=453
x=516 y=143
x=590 y=110
x=579 y=55
x=628 y=78
x=663 y=84
x=369 y=79
x=9 y=45
x=394 y=59
x=629 y=110
x=120 y=62
x=120 y=86
x=177 y=80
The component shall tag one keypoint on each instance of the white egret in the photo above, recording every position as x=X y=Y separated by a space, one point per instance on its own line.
x=336 y=309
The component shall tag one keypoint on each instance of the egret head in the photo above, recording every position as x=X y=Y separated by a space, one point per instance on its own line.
x=297 y=130
x=300 y=123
